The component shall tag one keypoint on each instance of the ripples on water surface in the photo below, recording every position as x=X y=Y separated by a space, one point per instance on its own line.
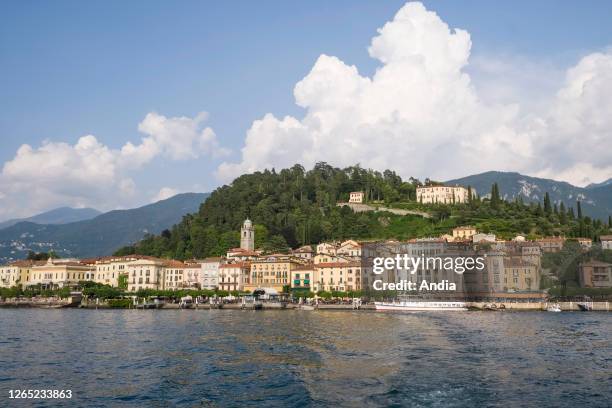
x=299 y=358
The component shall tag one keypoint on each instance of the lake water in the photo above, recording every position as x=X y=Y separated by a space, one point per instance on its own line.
x=226 y=358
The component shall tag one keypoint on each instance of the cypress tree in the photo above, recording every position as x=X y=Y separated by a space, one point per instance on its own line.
x=547 y=207
x=562 y=213
x=494 y=196
x=579 y=209
x=609 y=221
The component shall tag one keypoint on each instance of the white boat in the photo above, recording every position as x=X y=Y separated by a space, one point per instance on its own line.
x=553 y=308
x=186 y=302
x=412 y=306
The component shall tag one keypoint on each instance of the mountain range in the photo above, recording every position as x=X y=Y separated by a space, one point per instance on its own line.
x=595 y=199
x=62 y=215
x=97 y=236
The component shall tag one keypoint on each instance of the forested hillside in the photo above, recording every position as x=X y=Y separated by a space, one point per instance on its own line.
x=294 y=207
x=291 y=207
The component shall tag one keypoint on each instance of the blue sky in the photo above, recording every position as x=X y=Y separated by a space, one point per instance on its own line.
x=70 y=68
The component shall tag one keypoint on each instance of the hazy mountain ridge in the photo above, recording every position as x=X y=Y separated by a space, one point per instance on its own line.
x=61 y=215
x=100 y=235
x=596 y=199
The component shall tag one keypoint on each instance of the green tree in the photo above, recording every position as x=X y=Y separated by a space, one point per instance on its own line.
x=495 y=198
x=547 y=206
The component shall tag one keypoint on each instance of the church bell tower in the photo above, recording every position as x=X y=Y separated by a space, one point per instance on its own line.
x=247 y=236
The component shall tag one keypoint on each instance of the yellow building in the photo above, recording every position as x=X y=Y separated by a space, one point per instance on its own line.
x=17 y=273
x=339 y=276
x=356 y=197
x=58 y=273
x=173 y=275
x=146 y=274
x=463 y=233
x=271 y=272
x=110 y=268
x=520 y=275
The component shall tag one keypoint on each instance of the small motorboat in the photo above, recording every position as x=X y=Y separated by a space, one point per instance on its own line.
x=186 y=302
x=492 y=307
x=553 y=307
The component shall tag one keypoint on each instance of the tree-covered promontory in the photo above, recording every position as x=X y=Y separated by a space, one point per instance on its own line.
x=294 y=207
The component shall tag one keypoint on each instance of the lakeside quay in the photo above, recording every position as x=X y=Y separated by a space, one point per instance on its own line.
x=476 y=306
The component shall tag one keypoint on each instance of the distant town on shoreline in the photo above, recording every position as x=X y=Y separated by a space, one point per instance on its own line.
x=516 y=268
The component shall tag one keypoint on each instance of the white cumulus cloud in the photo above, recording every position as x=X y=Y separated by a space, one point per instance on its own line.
x=421 y=114
x=90 y=173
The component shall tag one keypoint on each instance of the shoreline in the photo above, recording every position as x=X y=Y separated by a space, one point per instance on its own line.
x=473 y=306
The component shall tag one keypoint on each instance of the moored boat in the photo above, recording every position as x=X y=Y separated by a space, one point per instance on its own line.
x=414 y=306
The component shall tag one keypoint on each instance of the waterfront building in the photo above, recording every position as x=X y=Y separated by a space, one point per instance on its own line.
x=356 y=197
x=606 y=241
x=109 y=269
x=192 y=275
x=551 y=244
x=463 y=233
x=493 y=277
x=595 y=274
x=146 y=274
x=58 y=273
x=20 y=271
x=232 y=276
x=337 y=276
x=442 y=194
x=210 y=272
x=16 y=273
x=173 y=275
x=303 y=276
x=520 y=275
x=247 y=236
x=272 y=273
x=9 y=276
x=432 y=251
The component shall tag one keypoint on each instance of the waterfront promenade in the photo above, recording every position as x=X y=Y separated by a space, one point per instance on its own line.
x=54 y=303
